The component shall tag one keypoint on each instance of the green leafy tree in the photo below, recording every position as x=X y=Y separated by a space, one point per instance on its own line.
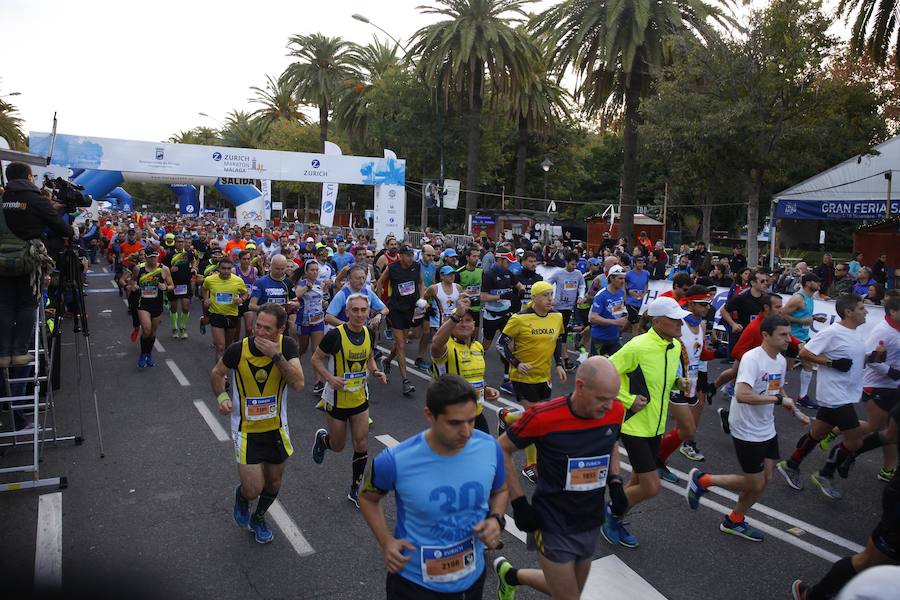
x=324 y=70
x=475 y=40
x=373 y=60
x=278 y=101
x=243 y=130
x=204 y=136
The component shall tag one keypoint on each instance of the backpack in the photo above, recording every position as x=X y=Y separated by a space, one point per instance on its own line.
x=18 y=257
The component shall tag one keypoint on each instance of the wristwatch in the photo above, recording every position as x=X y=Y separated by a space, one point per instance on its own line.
x=277 y=357
x=779 y=399
x=501 y=519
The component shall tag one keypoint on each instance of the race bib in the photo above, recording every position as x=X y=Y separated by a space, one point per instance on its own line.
x=773 y=383
x=407 y=288
x=571 y=286
x=354 y=382
x=589 y=473
x=617 y=309
x=419 y=313
x=448 y=563
x=277 y=299
x=149 y=291
x=224 y=298
x=316 y=317
x=473 y=290
x=181 y=290
x=479 y=389
x=259 y=409
x=693 y=371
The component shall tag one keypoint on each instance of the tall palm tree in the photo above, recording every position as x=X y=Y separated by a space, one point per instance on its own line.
x=478 y=39
x=243 y=130
x=373 y=60
x=204 y=136
x=324 y=69
x=616 y=47
x=877 y=22
x=278 y=101
x=11 y=126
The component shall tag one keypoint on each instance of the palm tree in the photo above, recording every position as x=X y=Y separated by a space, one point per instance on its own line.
x=373 y=60
x=204 y=136
x=616 y=47
x=325 y=69
x=875 y=25
x=11 y=126
x=477 y=39
x=278 y=101
x=243 y=130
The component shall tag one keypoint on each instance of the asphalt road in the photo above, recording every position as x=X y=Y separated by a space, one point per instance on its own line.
x=153 y=517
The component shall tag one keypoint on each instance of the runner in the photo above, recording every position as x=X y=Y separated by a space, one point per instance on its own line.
x=274 y=287
x=443 y=295
x=223 y=293
x=130 y=252
x=608 y=314
x=760 y=387
x=498 y=289
x=311 y=314
x=576 y=438
x=798 y=310
x=210 y=268
x=264 y=365
x=569 y=290
x=248 y=274
x=361 y=254
x=583 y=308
x=151 y=280
x=530 y=341
x=455 y=351
x=405 y=280
x=526 y=276
x=349 y=351
x=356 y=284
x=470 y=277
x=429 y=271
x=839 y=352
x=648 y=366
x=181 y=265
x=438 y=546
x=637 y=283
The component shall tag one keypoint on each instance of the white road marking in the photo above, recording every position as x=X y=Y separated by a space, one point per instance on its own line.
x=158 y=347
x=387 y=440
x=104 y=269
x=611 y=578
x=290 y=529
x=48 y=547
x=211 y=420
x=177 y=373
x=113 y=283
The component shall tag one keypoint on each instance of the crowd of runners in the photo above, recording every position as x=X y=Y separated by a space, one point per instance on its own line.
x=268 y=296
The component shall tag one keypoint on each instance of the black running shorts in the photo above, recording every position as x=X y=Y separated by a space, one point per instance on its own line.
x=680 y=398
x=643 y=452
x=884 y=398
x=843 y=417
x=400 y=319
x=752 y=455
x=531 y=392
x=344 y=414
x=155 y=308
x=886 y=535
x=564 y=547
x=401 y=588
x=490 y=327
x=264 y=447
x=633 y=316
x=223 y=321
x=604 y=347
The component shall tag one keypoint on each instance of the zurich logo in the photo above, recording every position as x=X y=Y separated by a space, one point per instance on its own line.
x=217 y=156
x=316 y=164
x=328 y=206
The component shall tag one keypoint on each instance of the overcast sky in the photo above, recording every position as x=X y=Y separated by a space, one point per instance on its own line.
x=143 y=70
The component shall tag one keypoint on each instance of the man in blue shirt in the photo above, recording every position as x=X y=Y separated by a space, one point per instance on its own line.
x=608 y=314
x=451 y=484
x=637 y=283
x=275 y=287
x=342 y=258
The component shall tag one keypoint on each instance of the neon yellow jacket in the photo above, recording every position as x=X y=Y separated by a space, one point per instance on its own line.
x=647 y=365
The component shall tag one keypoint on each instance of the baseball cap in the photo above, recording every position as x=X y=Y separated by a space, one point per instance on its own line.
x=616 y=270
x=251 y=246
x=508 y=256
x=310 y=240
x=666 y=307
x=404 y=249
x=170 y=239
x=292 y=237
x=593 y=261
x=447 y=270
x=520 y=252
x=449 y=252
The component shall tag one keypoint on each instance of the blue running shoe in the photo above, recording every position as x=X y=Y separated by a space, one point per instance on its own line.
x=741 y=529
x=241 y=510
x=262 y=532
x=807 y=402
x=142 y=361
x=149 y=362
x=507 y=387
x=614 y=532
x=609 y=530
x=666 y=475
x=319 y=447
x=626 y=538
x=693 y=490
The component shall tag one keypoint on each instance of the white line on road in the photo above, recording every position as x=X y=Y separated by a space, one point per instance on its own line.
x=48 y=547
x=104 y=269
x=387 y=440
x=211 y=420
x=158 y=347
x=611 y=578
x=177 y=373
x=290 y=529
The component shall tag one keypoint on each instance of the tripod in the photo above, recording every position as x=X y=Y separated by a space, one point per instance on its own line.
x=70 y=277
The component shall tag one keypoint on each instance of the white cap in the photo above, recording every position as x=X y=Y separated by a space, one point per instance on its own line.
x=616 y=270
x=520 y=252
x=309 y=239
x=666 y=307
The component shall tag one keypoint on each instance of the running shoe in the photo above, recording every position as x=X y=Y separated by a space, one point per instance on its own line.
x=175 y=333
x=741 y=529
x=886 y=475
x=353 y=495
x=149 y=361
x=569 y=365
x=807 y=402
x=142 y=361
x=614 y=532
x=241 y=510
x=318 y=388
x=389 y=335
x=319 y=447
x=666 y=475
x=422 y=364
x=825 y=442
x=799 y=590
x=501 y=421
x=262 y=532
x=507 y=387
x=723 y=420
x=693 y=491
x=791 y=476
x=134 y=334
x=582 y=354
x=689 y=451
x=505 y=591
x=826 y=485
x=843 y=469
x=529 y=472
x=408 y=387
x=184 y=334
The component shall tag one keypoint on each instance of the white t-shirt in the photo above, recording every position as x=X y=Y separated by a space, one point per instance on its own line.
x=834 y=388
x=765 y=375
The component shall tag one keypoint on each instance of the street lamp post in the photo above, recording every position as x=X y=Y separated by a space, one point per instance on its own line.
x=203 y=114
x=546 y=167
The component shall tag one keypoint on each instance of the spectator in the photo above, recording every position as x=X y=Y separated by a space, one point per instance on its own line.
x=741 y=283
x=863 y=282
x=875 y=294
x=683 y=266
x=644 y=242
x=660 y=251
x=698 y=256
x=825 y=271
x=843 y=283
x=738 y=260
x=656 y=268
x=880 y=270
x=608 y=243
x=855 y=264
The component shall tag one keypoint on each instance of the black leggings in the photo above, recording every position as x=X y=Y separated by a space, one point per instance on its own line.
x=481 y=423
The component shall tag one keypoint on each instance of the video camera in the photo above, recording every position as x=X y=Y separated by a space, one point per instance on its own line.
x=67 y=193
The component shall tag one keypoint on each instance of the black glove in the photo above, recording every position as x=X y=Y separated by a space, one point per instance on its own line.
x=617 y=498
x=894 y=373
x=841 y=364
x=524 y=515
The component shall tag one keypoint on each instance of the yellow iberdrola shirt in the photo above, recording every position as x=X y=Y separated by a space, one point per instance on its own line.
x=223 y=294
x=535 y=340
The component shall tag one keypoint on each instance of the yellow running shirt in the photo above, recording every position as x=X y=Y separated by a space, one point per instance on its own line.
x=535 y=340
x=223 y=294
x=349 y=361
x=465 y=361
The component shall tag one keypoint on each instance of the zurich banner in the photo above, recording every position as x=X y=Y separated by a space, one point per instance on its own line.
x=831 y=209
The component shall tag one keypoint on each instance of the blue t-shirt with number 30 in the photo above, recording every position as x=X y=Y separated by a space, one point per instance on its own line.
x=439 y=500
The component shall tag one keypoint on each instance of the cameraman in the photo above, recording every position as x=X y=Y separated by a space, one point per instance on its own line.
x=28 y=214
